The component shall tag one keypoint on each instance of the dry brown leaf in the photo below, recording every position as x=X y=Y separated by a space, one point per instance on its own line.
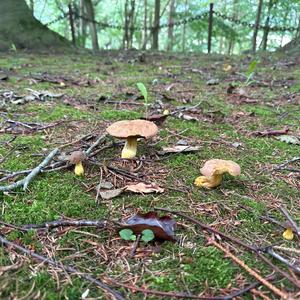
x=144 y=188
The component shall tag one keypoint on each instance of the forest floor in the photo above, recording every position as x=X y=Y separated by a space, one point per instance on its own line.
x=67 y=101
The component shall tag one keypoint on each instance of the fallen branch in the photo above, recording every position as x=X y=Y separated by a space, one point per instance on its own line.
x=292 y=223
x=274 y=289
x=25 y=181
x=270 y=132
x=58 y=223
x=274 y=254
x=282 y=166
x=94 y=145
x=57 y=264
x=255 y=250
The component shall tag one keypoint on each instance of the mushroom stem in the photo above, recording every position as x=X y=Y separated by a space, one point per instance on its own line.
x=208 y=182
x=130 y=148
x=79 y=170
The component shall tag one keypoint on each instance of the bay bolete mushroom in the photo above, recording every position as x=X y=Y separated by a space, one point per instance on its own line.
x=213 y=171
x=76 y=158
x=131 y=130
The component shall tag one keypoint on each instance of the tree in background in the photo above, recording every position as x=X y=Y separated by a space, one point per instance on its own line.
x=171 y=25
x=257 y=23
x=19 y=28
x=155 y=31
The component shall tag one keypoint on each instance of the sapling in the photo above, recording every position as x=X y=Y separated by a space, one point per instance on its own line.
x=144 y=93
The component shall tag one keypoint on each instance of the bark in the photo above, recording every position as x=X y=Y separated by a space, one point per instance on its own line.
x=171 y=26
x=184 y=27
x=155 y=32
x=91 y=20
x=71 y=20
x=18 y=27
x=231 y=42
x=126 y=27
x=145 y=25
x=267 y=23
x=131 y=23
x=257 y=22
x=83 y=23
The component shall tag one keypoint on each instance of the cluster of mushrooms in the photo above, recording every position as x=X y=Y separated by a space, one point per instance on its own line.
x=131 y=130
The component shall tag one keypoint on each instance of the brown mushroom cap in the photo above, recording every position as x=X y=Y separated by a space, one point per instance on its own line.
x=220 y=166
x=137 y=128
x=76 y=157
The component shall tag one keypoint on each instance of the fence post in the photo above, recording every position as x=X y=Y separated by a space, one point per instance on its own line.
x=210 y=24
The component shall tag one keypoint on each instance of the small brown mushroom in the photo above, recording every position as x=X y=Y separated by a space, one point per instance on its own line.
x=213 y=171
x=131 y=130
x=76 y=158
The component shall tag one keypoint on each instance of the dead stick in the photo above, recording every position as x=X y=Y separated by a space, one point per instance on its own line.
x=58 y=223
x=266 y=283
x=235 y=240
x=57 y=264
x=291 y=221
x=135 y=245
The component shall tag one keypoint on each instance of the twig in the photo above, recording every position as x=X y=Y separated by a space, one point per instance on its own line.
x=285 y=249
x=99 y=186
x=135 y=245
x=270 y=251
x=25 y=181
x=235 y=240
x=13 y=226
x=293 y=224
x=94 y=145
x=57 y=264
x=270 y=132
x=274 y=289
x=281 y=166
x=58 y=223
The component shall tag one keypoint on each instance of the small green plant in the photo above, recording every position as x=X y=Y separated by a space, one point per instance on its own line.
x=144 y=93
x=147 y=235
x=250 y=73
x=127 y=235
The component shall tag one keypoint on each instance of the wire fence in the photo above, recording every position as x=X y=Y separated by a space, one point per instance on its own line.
x=187 y=20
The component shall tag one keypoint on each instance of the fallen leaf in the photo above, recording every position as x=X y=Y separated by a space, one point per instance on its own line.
x=270 y=132
x=157 y=119
x=109 y=194
x=178 y=149
x=144 y=188
x=212 y=82
x=290 y=139
x=105 y=185
x=162 y=227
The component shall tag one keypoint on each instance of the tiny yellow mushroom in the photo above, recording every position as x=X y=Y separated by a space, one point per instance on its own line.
x=213 y=171
x=131 y=130
x=288 y=234
x=76 y=158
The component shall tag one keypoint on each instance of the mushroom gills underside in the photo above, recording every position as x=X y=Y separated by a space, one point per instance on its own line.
x=130 y=147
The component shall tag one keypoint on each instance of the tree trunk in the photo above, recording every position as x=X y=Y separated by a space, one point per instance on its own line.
x=235 y=16
x=18 y=27
x=131 y=23
x=93 y=30
x=126 y=27
x=71 y=20
x=82 y=23
x=171 y=26
x=155 y=32
x=184 y=26
x=145 y=25
x=267 y=23
x=257 y=22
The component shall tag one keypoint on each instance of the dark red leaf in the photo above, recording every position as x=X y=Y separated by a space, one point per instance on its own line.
x=162 y=227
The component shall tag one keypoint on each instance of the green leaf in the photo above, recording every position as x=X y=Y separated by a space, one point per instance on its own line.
x=127 y=235
x=143 y=90
x=252 y=66
x=147 y=235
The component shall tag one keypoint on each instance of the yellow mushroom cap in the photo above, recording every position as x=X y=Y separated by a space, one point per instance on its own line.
x=77 y=157
x=132 y=128
x=220 y=166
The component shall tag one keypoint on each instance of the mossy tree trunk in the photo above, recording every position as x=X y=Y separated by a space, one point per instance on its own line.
x=18 y=27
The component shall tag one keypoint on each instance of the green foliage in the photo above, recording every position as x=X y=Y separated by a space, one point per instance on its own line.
x=144 y=93
x=127 y=235
x=147 y=235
